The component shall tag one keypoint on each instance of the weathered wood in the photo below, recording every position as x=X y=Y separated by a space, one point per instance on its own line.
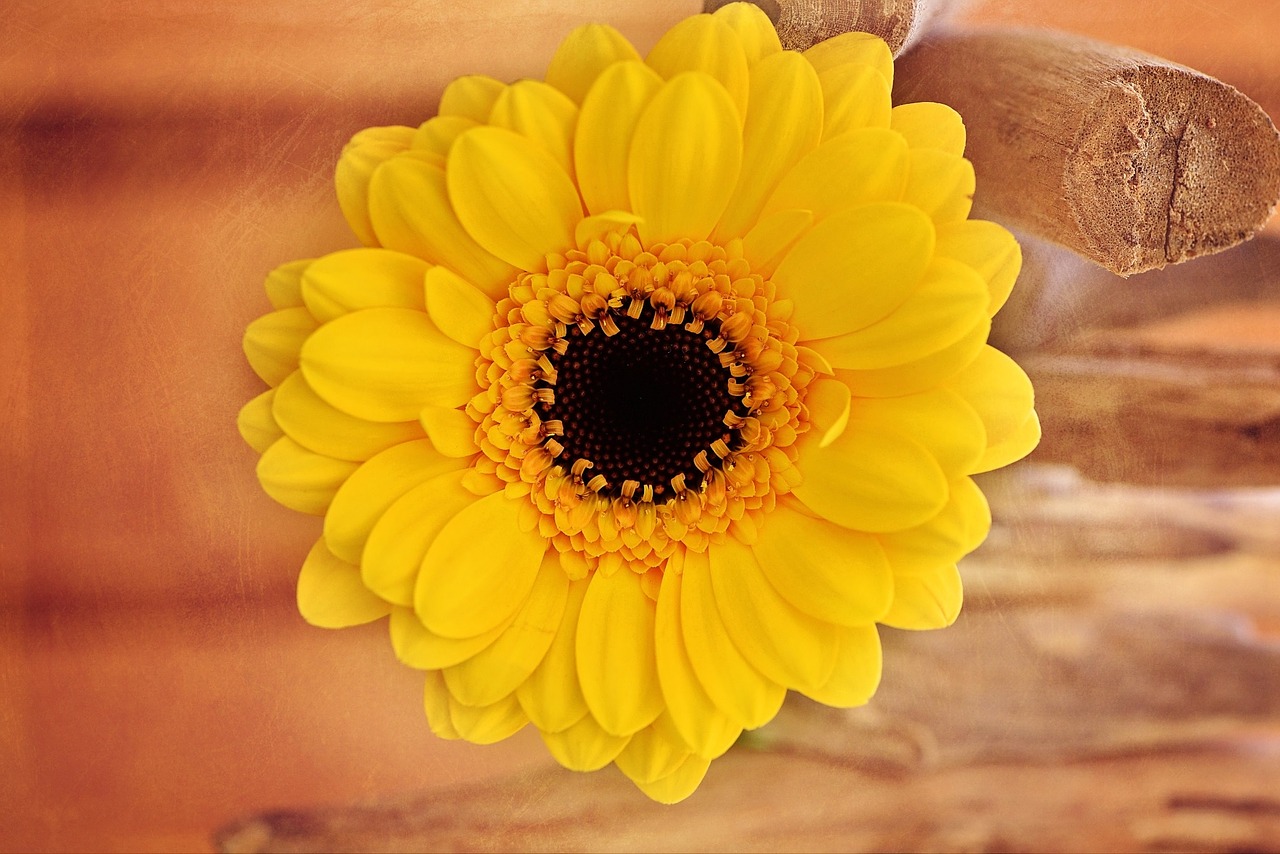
x=803 y=23
x=1170 y=378
x=1061 y=541
x=1202 y=801
x=1106 y=688
x=1127 y=159
x=1060 y=295
x=1040 y=683
x=1122 y=407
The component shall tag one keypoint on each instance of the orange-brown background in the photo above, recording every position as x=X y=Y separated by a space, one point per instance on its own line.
x=157 y=159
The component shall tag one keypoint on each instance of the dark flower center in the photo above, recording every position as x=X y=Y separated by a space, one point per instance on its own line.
x=641 y=404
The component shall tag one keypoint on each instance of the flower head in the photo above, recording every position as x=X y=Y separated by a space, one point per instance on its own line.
x=656 y=386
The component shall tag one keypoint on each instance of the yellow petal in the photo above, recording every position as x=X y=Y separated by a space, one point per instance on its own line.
x=998 y=389
x=451 y=431
x=487 y=724
x=458 y=308
x=871 y=481
x=360 y=158
x=585 y=746
x=317 y=426
x=586 y=52
x=680 y=784
x=735 y=686
x=418 y=647
x=654 y=752
x=542 y=114
x=1013 y=447
x=438 y=134
x=959 y=528
x=385 y=364
x=921 y=374
x=256 y=424
x=373 y=487
x=513 y=198
x=552 y=696
x=472 y=97
x=868 y=165
x=785 y=644
x=830 y=572
x=478 y=570
x=855 y=267
x=854 y=97
x=436 y=704
x=300 y=479
x=857 y=672
x=828 y=402
x=768 y=243
x=784 y=123
x=700 y=722
x=330 y=594
x=600 y=226
x=989 y=249
x=950 y=301
x=272 y=343
x=814 y=360
x=930 y=125
x=411 y=212
x=939 y=419
x=501 y=667
x=940 y=184
x=853 y=48
x=684 y=159
x=606 y=125
x=709 y=45
x=615 y=653
x=925 y=600
x=392 y=557
x=284 y=284
x=353 y=279
x=755 y=31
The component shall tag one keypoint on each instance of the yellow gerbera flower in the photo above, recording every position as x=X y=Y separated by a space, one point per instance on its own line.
x=656 y=386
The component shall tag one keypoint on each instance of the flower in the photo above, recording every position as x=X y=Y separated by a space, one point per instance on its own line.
x=655 y=387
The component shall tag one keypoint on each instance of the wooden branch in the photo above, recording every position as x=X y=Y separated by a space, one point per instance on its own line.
x=803 y=23
x=1127 y=159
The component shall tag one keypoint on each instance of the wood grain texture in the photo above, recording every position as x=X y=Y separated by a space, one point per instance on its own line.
x=1113 y=684
x=1170 y=378
x=1195 y=800
x=803 y=23
x=1127 y=159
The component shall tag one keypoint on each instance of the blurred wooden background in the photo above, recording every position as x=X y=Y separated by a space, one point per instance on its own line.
x=155 y=682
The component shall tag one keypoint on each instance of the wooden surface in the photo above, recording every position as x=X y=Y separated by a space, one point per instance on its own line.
x=1113 y=684
x=155 y=682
